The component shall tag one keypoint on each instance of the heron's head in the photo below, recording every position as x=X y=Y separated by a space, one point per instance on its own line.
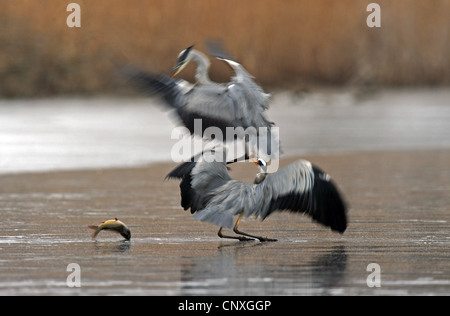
x=262 y=164
x=183 y=59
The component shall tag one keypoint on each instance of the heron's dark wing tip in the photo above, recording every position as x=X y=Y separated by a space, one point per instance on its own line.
x=331 y=209
x=320 y=200
x=152 y=84
x=182 y=170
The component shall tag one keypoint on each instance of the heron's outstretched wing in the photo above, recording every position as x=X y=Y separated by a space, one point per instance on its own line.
x=170 y=90
x=302 y=187
x=215 y=197
x=198 y=185
x=258 y=99
x=216 y=105
x=222 y=196
x=252 y=100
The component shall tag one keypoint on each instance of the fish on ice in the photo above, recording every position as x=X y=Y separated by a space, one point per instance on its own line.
x=114 y=225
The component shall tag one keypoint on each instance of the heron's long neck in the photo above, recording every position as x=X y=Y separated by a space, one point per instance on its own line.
x=201 y=73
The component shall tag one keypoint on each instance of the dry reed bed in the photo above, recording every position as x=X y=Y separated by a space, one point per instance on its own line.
x=283 y=43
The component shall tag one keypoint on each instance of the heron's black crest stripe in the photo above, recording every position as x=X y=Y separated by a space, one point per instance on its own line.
x=184 y=55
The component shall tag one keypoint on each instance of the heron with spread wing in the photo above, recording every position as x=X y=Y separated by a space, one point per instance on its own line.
x=213 y=196
x=241 y=103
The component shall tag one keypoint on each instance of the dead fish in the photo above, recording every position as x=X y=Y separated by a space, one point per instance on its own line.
x=114 y=225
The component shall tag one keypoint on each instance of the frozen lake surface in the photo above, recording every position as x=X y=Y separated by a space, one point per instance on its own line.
x=399 y=218
x=389 y=153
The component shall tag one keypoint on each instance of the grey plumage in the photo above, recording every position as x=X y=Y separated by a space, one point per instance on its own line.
x=238 y=104
x=207 y=189
x=214 y=197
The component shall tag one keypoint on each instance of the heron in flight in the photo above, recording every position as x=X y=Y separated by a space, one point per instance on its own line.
x=241 y=103
x=213 y=196
x=242 y=83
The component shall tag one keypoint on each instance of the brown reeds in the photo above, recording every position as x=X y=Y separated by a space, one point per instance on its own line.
x=283 y=43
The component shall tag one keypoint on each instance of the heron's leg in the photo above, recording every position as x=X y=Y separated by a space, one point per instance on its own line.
x=232 y=237
x=235 y=229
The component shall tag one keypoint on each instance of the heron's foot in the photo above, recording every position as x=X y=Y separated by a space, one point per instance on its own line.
x=261 y=239
x=265 y=239
x=238 y=232
x=240 y=238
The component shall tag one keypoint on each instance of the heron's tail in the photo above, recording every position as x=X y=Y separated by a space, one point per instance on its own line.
x=153 y=84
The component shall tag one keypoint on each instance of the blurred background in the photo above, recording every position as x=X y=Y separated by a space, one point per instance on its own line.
x=368 y=105
x=288 y=44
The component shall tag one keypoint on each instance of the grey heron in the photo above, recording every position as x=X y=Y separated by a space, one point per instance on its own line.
x=251 y=94
x=237 y=104
x=213 y=196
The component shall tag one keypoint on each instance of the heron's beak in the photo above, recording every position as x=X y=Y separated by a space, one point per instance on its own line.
x=255 y=161
x=175 y=72
x=177 y=69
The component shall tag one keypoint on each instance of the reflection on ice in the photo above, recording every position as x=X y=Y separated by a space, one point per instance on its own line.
x=240 y=267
